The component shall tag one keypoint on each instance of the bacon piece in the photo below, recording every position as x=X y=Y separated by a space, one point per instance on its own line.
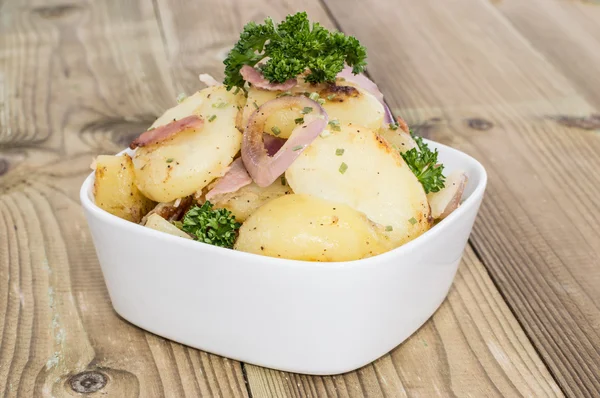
x=161 y=133
x=253 y=75
x=235 y=178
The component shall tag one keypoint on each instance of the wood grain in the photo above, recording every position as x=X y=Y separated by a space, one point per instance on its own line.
x=473 y=346
x=462 y=74
x=566 y=33
x=78 y=79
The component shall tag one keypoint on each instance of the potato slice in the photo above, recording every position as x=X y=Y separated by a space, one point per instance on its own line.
x=448 y=199
x=363 y=109
x=357 y=167
x=303 y=227
x=398 y=139
x=115 y=190
x=246 y=200
x=160 y=224
x=191 y=159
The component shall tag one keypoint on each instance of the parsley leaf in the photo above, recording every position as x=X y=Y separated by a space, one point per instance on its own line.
x=215 y=227
x=424 y=164
x=291 y=47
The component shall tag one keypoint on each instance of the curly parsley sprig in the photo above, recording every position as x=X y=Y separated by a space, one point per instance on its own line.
x=213 y=226
x=424 y=164
x=291 y=47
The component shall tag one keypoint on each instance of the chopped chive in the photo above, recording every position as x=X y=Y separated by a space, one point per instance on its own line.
x=282 y=180
x=255 y=104
x=389 y=228
x=170 y=160
x=297 y=148
x=307 y=109
x=299 y=120
x=220 y=105
x=325 y=133
x=284 y=94
x=394 y=126
x=211 y=118
x=314 y=96
x=339 y=151
x=321 y=101
x=412 y=220
x=237 y=90
x=275 y=130
x=343 y=168
x=181 y=97
x=335 y=125
x=331 y=97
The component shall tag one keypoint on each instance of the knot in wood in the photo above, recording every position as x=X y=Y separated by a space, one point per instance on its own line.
x=479 y=124
x=4 y=166
x=88 y=382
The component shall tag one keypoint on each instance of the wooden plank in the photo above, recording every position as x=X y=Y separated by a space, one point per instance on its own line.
x=509 y=365
x=567 y=33
x=78 y=79
x=473 y=346
x=463 y=75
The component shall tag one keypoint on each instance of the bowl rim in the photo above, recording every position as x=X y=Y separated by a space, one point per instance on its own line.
x=416 y=244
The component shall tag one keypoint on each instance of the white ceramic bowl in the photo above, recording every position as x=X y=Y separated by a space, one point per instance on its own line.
x=304 y=317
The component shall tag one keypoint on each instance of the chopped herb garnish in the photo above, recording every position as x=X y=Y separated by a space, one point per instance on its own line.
x=181 y=97
x=339 y=151
x=220 y=105
x=255 y=104
x=297 y=148
x=325 y=133
x=321 y=101
x=389 y=228
x=343 y=168
x=211 y=118
x=283 y=180
x=170 y=160
x=290 y=48
x=237 y=90
x=394 y=126
x=306 y=109
x=299 y=120
x=331 y=97
x=284 y=94
x=275 y=130
x=412 y=220
x=314 y=96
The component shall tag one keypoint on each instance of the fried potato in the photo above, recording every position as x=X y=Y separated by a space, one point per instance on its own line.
x=357 y=167
x=304 y=227
x=115 y=190
x=191 y=159
x=160 y=224
x=398 y=139
x=448 y=198
x=354 y=106
x=246 y=200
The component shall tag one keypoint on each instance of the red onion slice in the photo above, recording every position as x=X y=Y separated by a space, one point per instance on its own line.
x=253 y=75
x=161 y=133
x=264 y=169
x=272 y=143
x=368 y=85
x=235 y=178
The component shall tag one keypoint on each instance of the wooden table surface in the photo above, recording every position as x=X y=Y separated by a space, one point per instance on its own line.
x=515 y=83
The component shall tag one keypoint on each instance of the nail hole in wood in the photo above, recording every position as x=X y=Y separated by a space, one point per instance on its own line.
x=479 y=124
x=88 y=382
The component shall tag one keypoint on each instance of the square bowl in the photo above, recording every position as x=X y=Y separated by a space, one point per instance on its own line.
x=296 y=316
